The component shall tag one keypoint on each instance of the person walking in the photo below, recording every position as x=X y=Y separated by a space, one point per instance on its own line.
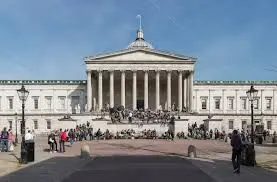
x=236 y=144
x=63 y=137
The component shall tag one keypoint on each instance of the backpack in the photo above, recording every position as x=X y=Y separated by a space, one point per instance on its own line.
x=4 y=135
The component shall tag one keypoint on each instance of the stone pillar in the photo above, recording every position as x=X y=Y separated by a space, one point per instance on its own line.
x=123 y=88
x=191 y=90
x=185 y=91
x=157 y=89
x=89 y=91
x=111 y=89
x=145 y=90
x=169 y=90
x=180 y=104
x=100 y=90
x=134 y=90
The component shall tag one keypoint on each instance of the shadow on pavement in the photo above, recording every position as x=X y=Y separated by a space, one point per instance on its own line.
x=139 y=168
x=51 y=170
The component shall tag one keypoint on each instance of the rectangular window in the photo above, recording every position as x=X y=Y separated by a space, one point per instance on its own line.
x=11 y=125
x=231 y=124
x=231 y=103
x=10 y=99
x=204 y=103
x=268 y=103
x=48 y=124
x=35 y=102
x=243 y=103
x=217 y=103
x=244 y=125
x=49 y=102
x=268 y=125
x=62 y=102
x=35 y=124
x=256 y=103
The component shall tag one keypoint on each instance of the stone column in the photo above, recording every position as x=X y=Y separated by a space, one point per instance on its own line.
x=185 y=91
x=89 y=91
x=180 y=104
x=111 y=89
x=123 y=88
x=100 y=90
x=191 y=91
x=134 y=90
x=145 y=89
x=169 y=90
x=157 y=89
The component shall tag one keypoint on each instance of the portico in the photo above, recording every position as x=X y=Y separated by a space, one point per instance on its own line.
x=140 y=77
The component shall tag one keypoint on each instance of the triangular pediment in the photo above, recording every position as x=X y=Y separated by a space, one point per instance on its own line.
x=139 y=55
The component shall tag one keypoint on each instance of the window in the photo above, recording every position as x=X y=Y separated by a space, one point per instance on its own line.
x=268 y=125
x=268 y=103
x=10 y=99
x=231 y=103
x=48 y=102
x=204 y=103
x=256 y=103
x=217 y=103
x=35 y=102
x=243 y=125
x=11 y=125
x=243 y=103
x=48 y=124
x=62 y=102
x=35 y=124
x=0 y=103
x=231 y=124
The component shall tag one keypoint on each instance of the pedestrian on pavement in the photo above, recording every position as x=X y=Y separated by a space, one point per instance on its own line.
x=236 y=151
x=63 y=137
x=4 y=140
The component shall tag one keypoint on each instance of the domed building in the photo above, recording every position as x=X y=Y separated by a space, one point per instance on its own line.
x=139 y=77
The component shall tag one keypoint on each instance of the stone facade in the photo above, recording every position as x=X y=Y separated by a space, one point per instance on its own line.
x=139 y=74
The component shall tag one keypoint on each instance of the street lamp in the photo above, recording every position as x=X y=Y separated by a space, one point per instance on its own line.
x=23 y=95
x=16 y=139
x=252 y=94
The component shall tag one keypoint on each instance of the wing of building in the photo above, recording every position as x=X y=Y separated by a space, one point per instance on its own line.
x=138 y=77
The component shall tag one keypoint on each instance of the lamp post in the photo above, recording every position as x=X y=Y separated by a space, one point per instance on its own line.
x=252 y=94
x=16 y=139
x=23 y=95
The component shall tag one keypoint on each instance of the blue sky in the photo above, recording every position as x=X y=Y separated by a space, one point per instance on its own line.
x=233 y=40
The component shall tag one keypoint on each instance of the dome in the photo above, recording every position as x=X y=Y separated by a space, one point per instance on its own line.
x=140 y=42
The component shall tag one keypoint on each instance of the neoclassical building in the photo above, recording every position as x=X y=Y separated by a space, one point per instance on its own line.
x=138 y=77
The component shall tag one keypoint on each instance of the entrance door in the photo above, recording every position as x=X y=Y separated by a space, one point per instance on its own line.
x=140 y=104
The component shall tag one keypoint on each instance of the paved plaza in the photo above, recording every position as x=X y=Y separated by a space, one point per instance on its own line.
x=136 y=160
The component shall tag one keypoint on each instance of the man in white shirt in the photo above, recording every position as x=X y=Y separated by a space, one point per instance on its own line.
x=29 y=136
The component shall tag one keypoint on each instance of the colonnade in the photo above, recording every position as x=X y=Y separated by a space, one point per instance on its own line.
x=185 y=89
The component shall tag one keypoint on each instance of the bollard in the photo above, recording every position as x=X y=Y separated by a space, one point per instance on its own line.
x=192 y=151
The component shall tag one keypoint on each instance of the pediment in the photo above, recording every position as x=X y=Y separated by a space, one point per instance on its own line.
x=139 y=55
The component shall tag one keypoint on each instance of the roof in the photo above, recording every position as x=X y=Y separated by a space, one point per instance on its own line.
x=84 y=82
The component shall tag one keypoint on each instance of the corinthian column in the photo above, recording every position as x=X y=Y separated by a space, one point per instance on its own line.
x=169 y=90
x=100 y=90
x=145 y=90
x=134 y=90
x=157 y=89
x=180 y=105
x=89 y=92
x=191 y=91
x=111 y=89
x=123 y=88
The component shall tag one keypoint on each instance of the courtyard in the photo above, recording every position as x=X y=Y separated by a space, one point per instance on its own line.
x=136 y=160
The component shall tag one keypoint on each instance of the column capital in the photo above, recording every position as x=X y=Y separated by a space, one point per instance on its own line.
x=88 y=71
x=122 y=71
x=99 y=71
x=111 y=71
x=134 y=71
x=157 y=70
x=145 y=71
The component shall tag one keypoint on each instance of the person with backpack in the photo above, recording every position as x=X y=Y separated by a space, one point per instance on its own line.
x=4 y=140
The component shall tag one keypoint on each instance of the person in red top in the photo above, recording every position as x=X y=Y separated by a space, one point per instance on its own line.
x=10 y=139
x=63 y=137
